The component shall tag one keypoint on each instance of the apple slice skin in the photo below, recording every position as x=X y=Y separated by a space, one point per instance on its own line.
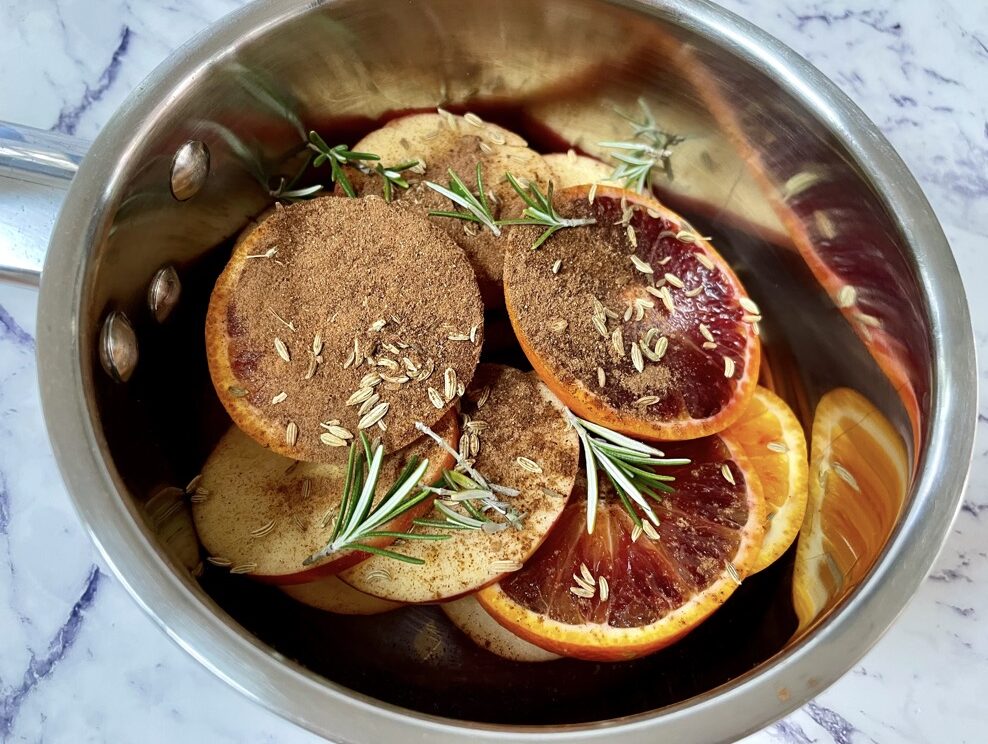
x=333 y=595
x=443 y=141
x=472 y=619
x=246 y=487
x=524 y=419
x=570 y=169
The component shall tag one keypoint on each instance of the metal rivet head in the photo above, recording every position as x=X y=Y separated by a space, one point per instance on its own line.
x=163 y=293
x=118 y=347
x=190 y=166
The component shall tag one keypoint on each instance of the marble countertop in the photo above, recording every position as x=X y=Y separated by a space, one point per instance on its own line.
x=80 y=662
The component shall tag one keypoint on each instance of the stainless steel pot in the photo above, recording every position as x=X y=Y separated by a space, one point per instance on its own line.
x=183 y=165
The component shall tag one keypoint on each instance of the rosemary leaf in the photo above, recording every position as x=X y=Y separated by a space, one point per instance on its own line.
x=650 y=148
x=540 y=211
x=406 y=535
x=628 y=464
x=388 y=554
x=477 y=208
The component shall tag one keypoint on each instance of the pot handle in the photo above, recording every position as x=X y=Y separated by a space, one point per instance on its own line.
x=35 y=170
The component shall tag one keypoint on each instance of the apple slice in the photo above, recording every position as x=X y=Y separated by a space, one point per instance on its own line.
x=441 y=142
x=524 y=445
x=469 y=616
x=570 y=169
x=332 y=595
x=262 y=514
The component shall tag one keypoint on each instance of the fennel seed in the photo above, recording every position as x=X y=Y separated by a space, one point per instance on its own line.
x=435 y=398
x=636 y=358
x=263 y=530
x=377 y=413
x=528 y=464
x=282 y=350
x=725 y=471
x=331 y=440
x=649 y=530
x=642 y=266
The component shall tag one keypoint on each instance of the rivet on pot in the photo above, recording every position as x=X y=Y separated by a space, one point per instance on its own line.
x=118 y=346
x=163 y=293
x=190 y=166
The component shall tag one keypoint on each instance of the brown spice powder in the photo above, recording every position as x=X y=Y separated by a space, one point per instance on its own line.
x=688 y=380
x=355 y=272
x=522 y=420
x=483 y=249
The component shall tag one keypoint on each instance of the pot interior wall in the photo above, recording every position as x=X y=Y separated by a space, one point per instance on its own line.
x=555 y=71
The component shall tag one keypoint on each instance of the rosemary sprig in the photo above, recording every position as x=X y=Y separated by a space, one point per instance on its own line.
x=476 y=206
x=286 y=187
x=392 y=177
x=651 y=147
x=359 y=518
x=337 y=157
x=628 y=464
x=539 y=211
x=463 y=492
x=471 y=479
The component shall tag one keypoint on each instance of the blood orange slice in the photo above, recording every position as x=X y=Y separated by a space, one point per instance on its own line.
x=773 y=441
x=817 y=195
x=619 y=593
x=635 y=322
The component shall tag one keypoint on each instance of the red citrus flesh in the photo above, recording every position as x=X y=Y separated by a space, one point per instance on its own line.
x=657 y=590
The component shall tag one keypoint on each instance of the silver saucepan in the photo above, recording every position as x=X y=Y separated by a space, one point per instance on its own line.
x=775 y=159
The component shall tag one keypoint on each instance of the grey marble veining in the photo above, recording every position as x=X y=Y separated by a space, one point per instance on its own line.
x=80 y=661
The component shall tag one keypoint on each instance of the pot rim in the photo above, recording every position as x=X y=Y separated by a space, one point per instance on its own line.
x=206 y=632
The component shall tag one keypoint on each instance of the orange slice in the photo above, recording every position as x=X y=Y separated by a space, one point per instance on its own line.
x=858 y=478
x=773 y=440
x=646 y=593
x=635 y=322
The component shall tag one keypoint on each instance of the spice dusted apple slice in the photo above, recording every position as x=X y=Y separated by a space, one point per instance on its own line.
x=571 y=169
x=475 y=622
x=261 y=514
x=442 y=142
x=332 y=595
x=645 y=330
x=630 y=586
x=336 y=316
x=517 y=464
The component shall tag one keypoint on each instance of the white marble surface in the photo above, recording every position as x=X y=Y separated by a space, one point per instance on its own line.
x=79 y=662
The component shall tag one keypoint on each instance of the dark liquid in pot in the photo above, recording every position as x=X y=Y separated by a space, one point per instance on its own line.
x=414 y=657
